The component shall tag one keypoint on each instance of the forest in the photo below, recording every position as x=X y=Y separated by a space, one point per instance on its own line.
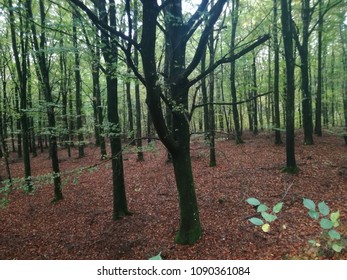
x=198 y=129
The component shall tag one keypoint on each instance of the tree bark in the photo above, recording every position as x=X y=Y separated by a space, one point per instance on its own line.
x=278 y=139
x=21 y=67
x=234 y=21
x=46 y=88
x=110 y=53
x=287 y=34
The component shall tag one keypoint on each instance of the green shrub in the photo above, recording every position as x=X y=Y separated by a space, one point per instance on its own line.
x=330 y=239
x=266 y=217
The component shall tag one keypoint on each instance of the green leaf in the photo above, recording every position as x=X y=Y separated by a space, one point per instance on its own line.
x=157 y=257
x=337 y=248
x=326 y=224
x=312 y=242
x=334 y=217
x=334 y=234
x=253 y=201
x=278 y=207
x=323 y=208
x=256 y=221
x=268 y=217
x=313 y=214
x=262 y=208
x=265 y=227
x=309 y=204
x=75 y=181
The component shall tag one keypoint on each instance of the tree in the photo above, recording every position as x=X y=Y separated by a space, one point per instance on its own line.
x=287 y=33
x=234 y=21
x=21 y=67
x=40 y=46
x=303 y=48
x=137 y=90
x=277 y=119
x=75 y=20
x=178 y=32
x=318 y=119
x=110 y=53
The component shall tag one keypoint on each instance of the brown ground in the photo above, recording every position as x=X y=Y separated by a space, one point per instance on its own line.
x=80 y=226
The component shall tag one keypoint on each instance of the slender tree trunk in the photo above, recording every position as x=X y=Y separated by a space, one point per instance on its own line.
x=318 y=124
x=287 y=33
x=234 y=21
x=332 y=88
x=79 y=125
x=21 y=67
x=211 y=110
x=303 y=49
x=343 y=35
x=278 y=139
x=110 y=53
x=64 y=95
x=47 y=90
x=130 y=109
x=140 y=156
x=205 y=99
x=254 y=94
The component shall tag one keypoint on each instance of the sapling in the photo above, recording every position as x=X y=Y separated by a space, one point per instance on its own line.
x=266 y=217
x=329 y=222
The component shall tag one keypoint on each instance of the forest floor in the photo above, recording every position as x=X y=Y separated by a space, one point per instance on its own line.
x=80 y=226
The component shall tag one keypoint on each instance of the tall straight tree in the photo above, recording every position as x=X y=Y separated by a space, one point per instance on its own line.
x=20 y=52
x=40 y=47
x=75 y=21
x=211 y=110
x=277 y=119
x=318 y=119
x=303 y=48
x=234 y=21
x=110 y=53
x=140 y=156
x=287 y=33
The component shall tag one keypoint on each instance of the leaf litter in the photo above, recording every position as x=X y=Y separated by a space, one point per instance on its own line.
x=80 y=226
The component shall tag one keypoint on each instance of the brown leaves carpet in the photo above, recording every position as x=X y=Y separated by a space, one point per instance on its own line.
x=80 y=226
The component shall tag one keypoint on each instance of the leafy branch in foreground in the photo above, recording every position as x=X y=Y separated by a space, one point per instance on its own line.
x=266 y=217
x=330 y=239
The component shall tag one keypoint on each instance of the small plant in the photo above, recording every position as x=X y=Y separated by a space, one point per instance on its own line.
x=157 y=257
x=262 y=209
x=330 y=237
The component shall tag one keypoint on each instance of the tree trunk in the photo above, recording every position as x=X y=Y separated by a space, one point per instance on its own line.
x=110 y=53
x=254 y=94
x=190 y=228
x=21 y=67
x=318 y=124
x=234 y=21
x=278 y=139
x=79 y=125
x=46 y=88
x=286 y=16
x=140 y=156
x=304 y=53
x=212 y=120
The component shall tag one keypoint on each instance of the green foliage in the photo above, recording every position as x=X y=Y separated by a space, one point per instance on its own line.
x=330 y=239
x=262 y=209
x=157 y=257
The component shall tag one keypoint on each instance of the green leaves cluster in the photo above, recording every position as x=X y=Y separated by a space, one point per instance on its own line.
x=328 y=221
x=266 y=217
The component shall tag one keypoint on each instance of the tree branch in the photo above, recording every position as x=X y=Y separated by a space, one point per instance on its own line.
x=229 y=59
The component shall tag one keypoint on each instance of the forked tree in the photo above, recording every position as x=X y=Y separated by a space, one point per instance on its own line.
x=178 y=31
